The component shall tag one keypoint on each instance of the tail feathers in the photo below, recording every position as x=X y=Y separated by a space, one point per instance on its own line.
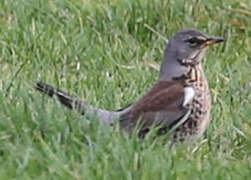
x=66 y=99
x=107 y=117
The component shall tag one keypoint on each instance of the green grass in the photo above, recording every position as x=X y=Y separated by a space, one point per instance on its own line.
x=105 y=51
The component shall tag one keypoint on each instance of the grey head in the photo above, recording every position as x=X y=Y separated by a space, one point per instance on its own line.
x=186 y=48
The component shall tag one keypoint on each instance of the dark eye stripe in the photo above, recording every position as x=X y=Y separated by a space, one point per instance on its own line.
x=194 y=40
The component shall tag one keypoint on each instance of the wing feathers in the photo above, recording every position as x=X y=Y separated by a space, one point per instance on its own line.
x=162 y=105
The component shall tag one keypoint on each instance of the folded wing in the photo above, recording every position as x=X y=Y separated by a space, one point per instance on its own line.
x=162 y=106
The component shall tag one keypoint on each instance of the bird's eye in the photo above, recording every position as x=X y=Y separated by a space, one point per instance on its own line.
x=194 y=41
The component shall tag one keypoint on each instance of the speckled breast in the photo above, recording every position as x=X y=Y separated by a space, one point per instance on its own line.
x=199 y=118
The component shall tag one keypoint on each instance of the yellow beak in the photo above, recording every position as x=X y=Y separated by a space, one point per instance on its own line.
x=213 y=40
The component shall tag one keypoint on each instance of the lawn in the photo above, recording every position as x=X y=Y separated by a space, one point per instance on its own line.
x=108 y=53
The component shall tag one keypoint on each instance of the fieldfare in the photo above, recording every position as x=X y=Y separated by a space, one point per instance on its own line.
x=179 y=102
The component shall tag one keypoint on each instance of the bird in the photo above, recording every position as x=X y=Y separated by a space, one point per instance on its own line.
x=179 y=102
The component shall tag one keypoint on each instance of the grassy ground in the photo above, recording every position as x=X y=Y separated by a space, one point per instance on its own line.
x=107 y=52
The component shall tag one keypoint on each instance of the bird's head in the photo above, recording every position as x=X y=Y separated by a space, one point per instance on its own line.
x=191 y=45
x=185 y=48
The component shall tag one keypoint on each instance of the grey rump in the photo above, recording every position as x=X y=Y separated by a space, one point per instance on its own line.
x=181 y=80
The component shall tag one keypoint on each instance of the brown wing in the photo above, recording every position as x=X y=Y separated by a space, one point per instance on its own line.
x=161 y=106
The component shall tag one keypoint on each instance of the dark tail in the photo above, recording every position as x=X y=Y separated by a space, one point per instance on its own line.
x=66 y=99
x=107 y=117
